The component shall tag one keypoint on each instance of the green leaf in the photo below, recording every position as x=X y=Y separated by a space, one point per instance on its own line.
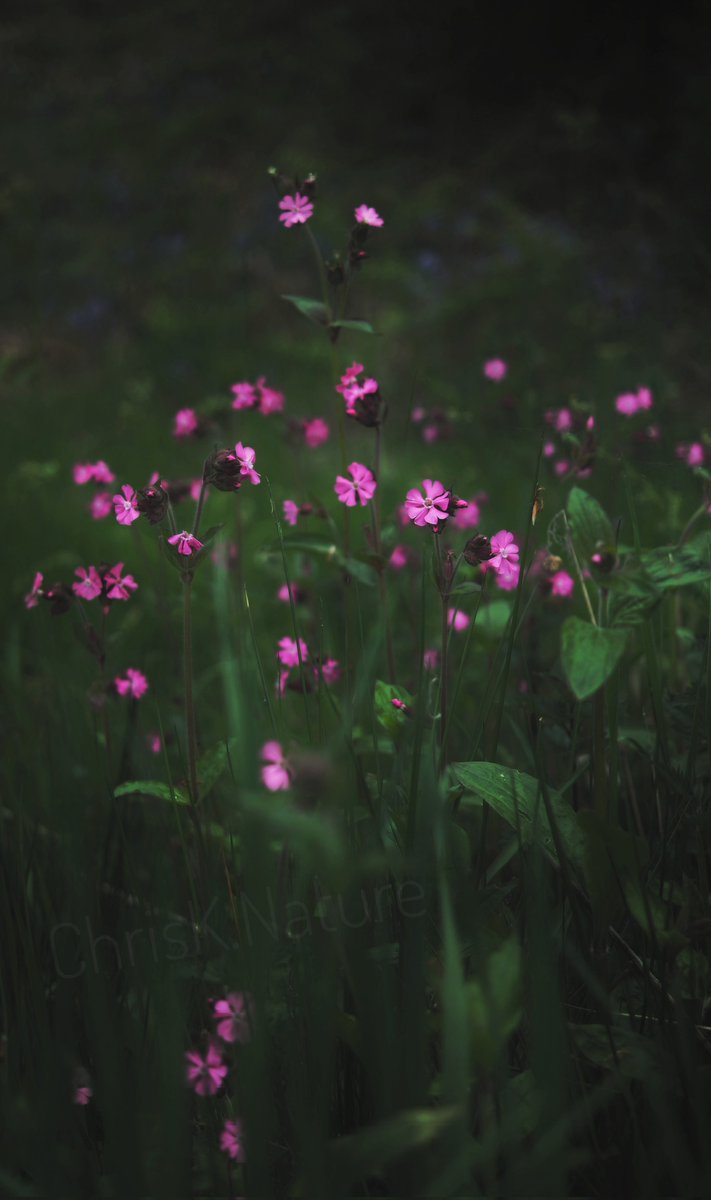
x=367 y=1152
x=633 y=597
x=493 y=619
x=152 y=787
x=517 y=798
x=213 y=763
x=589 y=524
x=359 y=326
x=466 y=589
x=589 y=654
x=313 y=310
x=679 y=566
x=390 y=718
x=362 y=571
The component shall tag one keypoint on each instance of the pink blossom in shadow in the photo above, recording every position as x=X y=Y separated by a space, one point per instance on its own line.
x=82 y=1090
x=186 y=542
x=186 y=423
x=430 y=506
x=269 y=400
x=289 y=652
x=365 y=215
x=296 y=210
x=276 y=773
x=32 y=598
x=207 y=1073
x=291 y=512
x=349 y=377
x=98 y=472
x=495 y=369
x=89 y=585
x=316 y=432
x=232 y=1015
x=155 y=745
x=398 y=558
x=548 y=449
x=330 y=671
x=133 y=684
x=118 y=586
x=430 y=659
x=467 y=517
x=232 y=1140
x=125 y=506
x=561 y=467
x=563 y=420
x=359 y=489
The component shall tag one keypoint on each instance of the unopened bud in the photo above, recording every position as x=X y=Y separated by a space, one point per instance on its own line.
x=222 y=470
x=152 y=502
x=59 y=597
x=477 y=550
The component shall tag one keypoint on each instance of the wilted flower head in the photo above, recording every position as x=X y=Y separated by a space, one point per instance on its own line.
x=359 y=489
x=223 y=470
x=133 y=684
x=477 y=550
x=430 y=506
x=276 y=773
x=207 y=1073
x=186 y=543
x=296 y=210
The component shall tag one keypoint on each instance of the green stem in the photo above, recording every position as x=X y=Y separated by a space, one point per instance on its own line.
x=382 y=580
x=188 y=687
x=198 y=510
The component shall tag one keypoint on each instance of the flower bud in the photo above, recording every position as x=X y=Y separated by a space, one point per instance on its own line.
x=282 y=183
x=152 y=502
x=552 y=563
x=477 y=550
x=308 y=187
x=222 y=470
x=60 y=598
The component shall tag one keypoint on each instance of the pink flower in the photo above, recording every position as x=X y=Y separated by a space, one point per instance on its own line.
x=289 y=652
x=186 y=423
x=430 y=660
x=99 y=472
x=365 y=215
x=644 y=398
x=125 y=506
x=627 y=404
x=695 y=455
x=563 y=420
x=90 y=585
x=269 y=400
x=429 y=507
x=83 y=1091
x=155 y=745
x=83 y=473
x=467 y=517
x=246 y=457
x=509 y=583
x=117 y=586
x=100 y=505
x=349 y=376
x=653 y=432
x=430 y=434
x=206 y=1075
x=316 y=432
x=418 y=414
x=296 y=210
x=32 y=598
x=548 y=449
x=561 y=467
x=133 y=684
x=186 y=542
x=398 y=558
x=195 y=489
x=276 y=774
x=232 y=1017
x=231 y=1140
x=457 y=620
x=495 y=369
x=245 y=395
x=562 y=584
x=504 y=554
x=330 y=671
x=357 y=490
x=291 y=512
x=358 y=391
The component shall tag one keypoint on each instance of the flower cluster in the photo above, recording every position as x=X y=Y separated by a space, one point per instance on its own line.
x=206 y=1072
x=435 y=423
x=577 y=433
x=362 y=396
x=630 y=403
x=266 y=400
x=133 y=684
x=302 y=670
x=105 y=583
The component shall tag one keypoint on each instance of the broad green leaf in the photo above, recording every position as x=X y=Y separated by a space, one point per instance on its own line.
x=362 y=571
x=358 y=326
x=152 y=787
x=493 y=619
x=589 y=524
x=679 y=566
x=313 y=310
x=517 y=798
x=632 y=597
x=466 y=589
x=390 y=718
x=589 y=654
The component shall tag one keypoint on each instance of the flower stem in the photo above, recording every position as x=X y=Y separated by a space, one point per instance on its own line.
x=382 y=580
x=188 y=687
x=198 y=510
